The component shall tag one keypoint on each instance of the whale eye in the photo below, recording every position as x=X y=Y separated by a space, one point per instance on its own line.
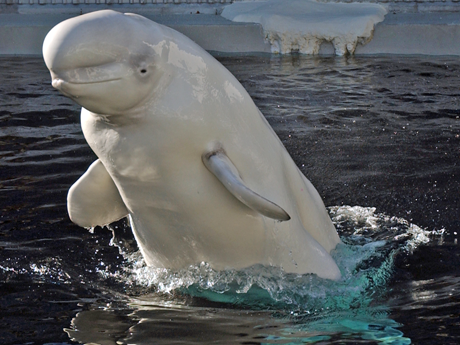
x=143 y=70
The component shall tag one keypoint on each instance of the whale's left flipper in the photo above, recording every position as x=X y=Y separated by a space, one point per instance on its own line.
x=220 y=165
x=94 y=199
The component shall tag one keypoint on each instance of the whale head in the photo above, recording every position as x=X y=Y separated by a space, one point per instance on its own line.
x=106 y=61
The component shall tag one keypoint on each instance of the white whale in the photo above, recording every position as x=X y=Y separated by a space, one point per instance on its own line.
x=183 y=151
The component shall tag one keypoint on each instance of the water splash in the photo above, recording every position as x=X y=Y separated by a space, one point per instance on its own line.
x=371 y=226
x=281 y=308
x=304 y=308
x=365 y=258
x=371 y=241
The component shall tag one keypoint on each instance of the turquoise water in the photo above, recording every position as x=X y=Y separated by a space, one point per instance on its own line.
x=299 y=308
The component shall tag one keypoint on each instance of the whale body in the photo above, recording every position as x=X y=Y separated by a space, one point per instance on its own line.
x=183 y=151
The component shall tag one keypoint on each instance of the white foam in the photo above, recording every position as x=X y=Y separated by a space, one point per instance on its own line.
x=302 y=25
x=365 y=221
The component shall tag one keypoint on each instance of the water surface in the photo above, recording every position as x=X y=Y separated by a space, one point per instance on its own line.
x=381 y=134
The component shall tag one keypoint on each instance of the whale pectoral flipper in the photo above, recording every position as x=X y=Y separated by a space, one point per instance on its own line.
x=220 y=165
x=94 y=199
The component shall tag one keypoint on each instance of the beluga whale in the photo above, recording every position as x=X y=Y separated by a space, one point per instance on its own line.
x=183 y=152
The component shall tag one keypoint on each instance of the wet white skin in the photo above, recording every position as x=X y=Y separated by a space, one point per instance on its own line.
x=183 y=151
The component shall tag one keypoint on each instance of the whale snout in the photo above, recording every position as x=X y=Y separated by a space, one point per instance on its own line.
x=60 y=85
x=99 y=60
x=95 y=39
x=57 y=83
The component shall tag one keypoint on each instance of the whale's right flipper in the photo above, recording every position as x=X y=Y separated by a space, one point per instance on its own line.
x=94 y=199
x=220 y=165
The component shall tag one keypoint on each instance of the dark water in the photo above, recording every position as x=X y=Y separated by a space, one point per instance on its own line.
x=382 y=134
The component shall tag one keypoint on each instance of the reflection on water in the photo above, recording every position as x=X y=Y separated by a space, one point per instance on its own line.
x=382 y=133
x=179 y=325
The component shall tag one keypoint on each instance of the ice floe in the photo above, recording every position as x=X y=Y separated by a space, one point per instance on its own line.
x=302 y=25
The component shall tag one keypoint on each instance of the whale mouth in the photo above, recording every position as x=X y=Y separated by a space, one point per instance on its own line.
x=58 y=82
x=73 y=89
x=88 y=75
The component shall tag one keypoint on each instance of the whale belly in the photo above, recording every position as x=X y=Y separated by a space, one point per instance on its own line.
x=187 y=217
